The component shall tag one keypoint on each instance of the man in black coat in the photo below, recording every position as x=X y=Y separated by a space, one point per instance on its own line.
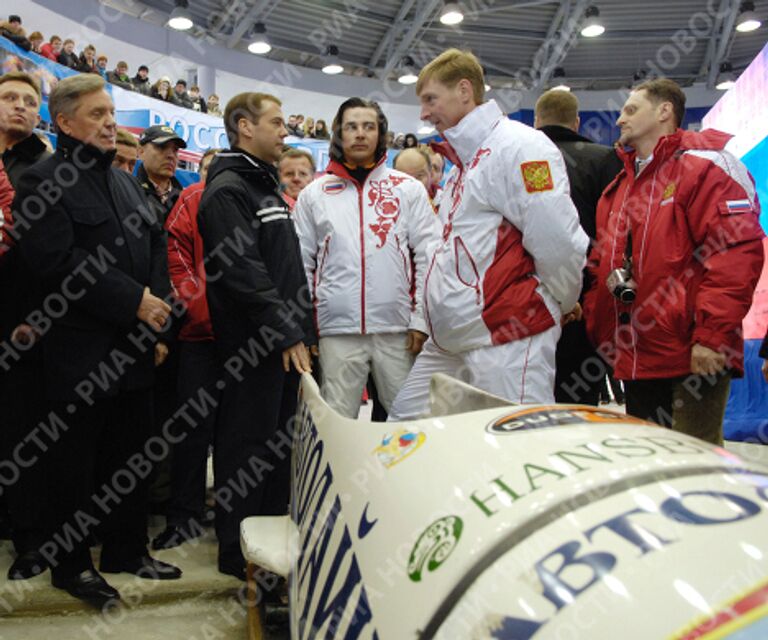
x=20 y=99
x=261 y=317
x=88 y=236
x=591 y=167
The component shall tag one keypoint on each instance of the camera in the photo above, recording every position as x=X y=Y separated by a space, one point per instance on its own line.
x=621 y=285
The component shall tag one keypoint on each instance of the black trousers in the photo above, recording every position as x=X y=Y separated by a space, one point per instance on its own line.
x=99 y=474
x=579 y=370
x=251 y=461
x=198 y=370
x=26 y=493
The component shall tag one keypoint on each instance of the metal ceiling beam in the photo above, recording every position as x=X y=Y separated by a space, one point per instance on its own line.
x=724 y=42
x=246 y=22
x=559 y=40
x=714 y=37
x=388 y=39
x=425 y=12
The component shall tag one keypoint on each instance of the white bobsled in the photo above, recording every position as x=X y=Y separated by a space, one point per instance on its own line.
x=515 y=522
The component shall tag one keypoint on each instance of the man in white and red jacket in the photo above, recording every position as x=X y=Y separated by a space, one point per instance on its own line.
x=509 y=263
x=683 y=216
x=365 y=231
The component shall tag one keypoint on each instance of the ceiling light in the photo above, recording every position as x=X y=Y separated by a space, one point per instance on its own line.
x=747 y=20
x=726 y=79
x=592 y=25
x=407 y=75
x=559 y=72
x=488 y=87
x=332 y=66
x=259 y=41
x=451 y=14
x=180 y=18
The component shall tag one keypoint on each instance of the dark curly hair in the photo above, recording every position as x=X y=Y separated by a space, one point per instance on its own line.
x=337 y=150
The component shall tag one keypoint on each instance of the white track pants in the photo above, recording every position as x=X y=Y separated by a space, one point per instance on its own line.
x=522 y=371
x=346 y=361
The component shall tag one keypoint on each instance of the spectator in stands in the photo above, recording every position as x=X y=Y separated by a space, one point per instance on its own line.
x=309 y=128
x=120 y=76
x=213 y=105
x=198 y=367
x=293 y=127
x=101 y=65
x=141 y=82
x=20 y=398
x=410 y=141
x=162 y=90
x=180 y=95
x=321 y=130
x=198 y=104
x=296 y=169
x=390 y=139
x=127 y=151
x=415 y=162
x=111 y=425
x=86 y=63
x=13 y=30
x=437 y=164
x=67 y=55
x=159 y=154
x=36 y=41
x=52 y=48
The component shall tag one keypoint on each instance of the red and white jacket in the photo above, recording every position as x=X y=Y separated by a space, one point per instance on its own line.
x=364 y=248
x=512 y=248
x=186 y=266
x=6 y=219
x=696 y=256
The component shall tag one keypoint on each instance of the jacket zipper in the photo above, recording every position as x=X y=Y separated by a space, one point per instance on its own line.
x=476 y=286
x=362 y=260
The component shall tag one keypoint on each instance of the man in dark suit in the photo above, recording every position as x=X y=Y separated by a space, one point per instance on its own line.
x=591 y=167
x=88 y=236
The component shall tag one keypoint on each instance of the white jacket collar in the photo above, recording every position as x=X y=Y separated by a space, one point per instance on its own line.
x=473 y=129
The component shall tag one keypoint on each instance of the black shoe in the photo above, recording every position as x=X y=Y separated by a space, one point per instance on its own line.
x=172 y=536
x=233 y=569
x=27 y=565
x=88 y=586
x=144 y=567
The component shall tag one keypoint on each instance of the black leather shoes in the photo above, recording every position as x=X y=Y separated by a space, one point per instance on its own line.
x=172 y=536
x=90 y=587
x=27 y=565
x=143 y=567
x=233 y=569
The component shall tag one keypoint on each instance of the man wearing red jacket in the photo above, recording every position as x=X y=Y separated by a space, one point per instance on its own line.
x=185 y=514
x=681 y=221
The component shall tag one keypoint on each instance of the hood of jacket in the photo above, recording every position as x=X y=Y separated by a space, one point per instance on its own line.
x=680 y=141
x=245 y=164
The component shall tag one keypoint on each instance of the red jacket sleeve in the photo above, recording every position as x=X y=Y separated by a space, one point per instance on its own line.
x=724 y=221
x=6 y=219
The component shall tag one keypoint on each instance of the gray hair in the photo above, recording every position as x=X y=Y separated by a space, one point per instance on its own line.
x=66 y=95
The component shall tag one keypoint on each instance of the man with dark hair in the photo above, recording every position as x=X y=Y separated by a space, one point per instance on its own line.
x=678 y=234
x=13 y=30
x=140 y=81
x=180 y=95
x=357 y=223
x=119 y=77
x=109 y=324
x=159 y=154
x=257 y=296
x=20 y=100
x=296 y=168
x=198 y=103
x=591 y=167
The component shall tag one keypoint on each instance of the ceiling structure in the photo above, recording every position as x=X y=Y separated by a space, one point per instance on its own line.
x=521 y=43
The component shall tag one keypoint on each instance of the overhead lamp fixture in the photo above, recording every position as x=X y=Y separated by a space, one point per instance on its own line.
x=332 y=66
x=747 y=20
x=259 y=41
x=407 y=75
x=559 y=72
x=726 y=79
x=451 y=14
x=180 y=18
x=593 y=26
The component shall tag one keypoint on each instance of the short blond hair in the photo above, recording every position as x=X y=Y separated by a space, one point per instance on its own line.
x=557 y=107
x=126 y=137
x=450 y=67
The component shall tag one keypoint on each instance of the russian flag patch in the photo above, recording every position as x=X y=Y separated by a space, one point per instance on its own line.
x=334 y=187
x=730 y=207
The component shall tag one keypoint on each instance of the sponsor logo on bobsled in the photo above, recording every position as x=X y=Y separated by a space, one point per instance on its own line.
x=555 y=416
x=397 y=446
x=434 y=546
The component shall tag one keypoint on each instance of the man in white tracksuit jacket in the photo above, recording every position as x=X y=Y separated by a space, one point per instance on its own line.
x=509 y=263
x=365 y=232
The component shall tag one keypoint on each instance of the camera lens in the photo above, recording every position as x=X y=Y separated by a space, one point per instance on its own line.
x=628 y=295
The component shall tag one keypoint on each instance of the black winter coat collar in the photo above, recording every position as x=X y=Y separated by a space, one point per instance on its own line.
x=246 y=164
x=81 y=152
x=23 y=155
x=556 y=133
